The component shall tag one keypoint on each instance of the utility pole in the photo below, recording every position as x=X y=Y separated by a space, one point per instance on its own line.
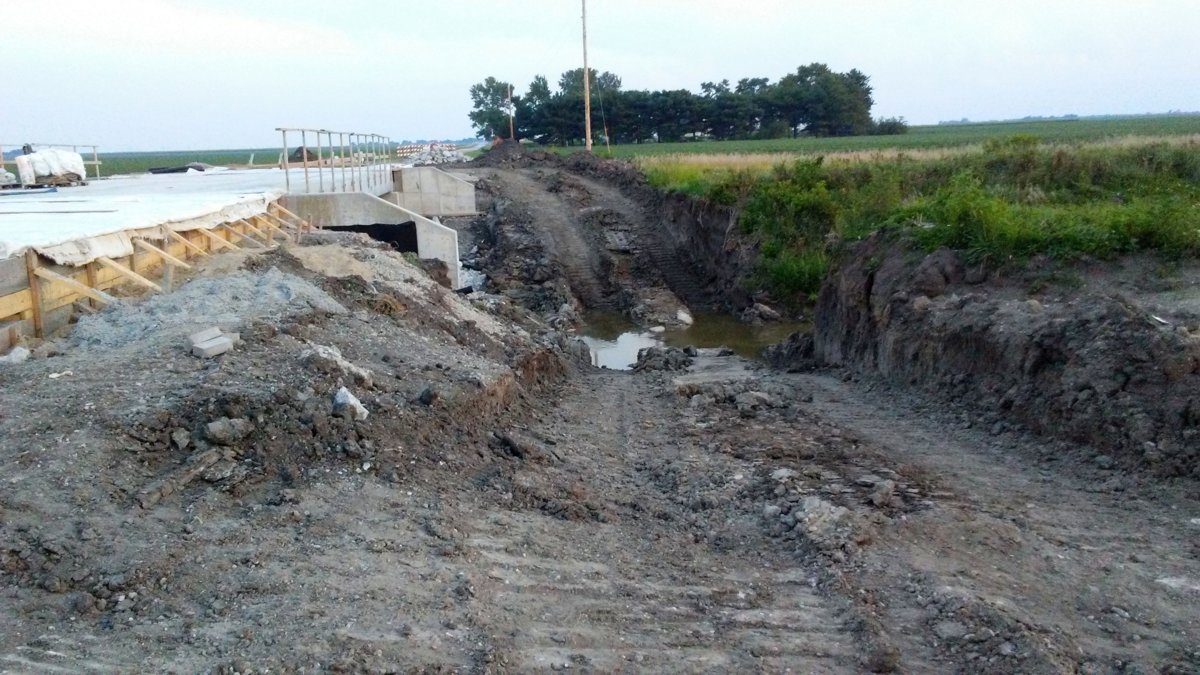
x=511 y=111
x=587 y=88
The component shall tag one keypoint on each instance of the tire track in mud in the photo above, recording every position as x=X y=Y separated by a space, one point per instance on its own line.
x=647 y=590
x=1081 y=569
x=558 y=224
x=662 y=258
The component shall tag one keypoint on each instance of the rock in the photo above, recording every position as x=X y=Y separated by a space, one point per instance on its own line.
x=214 y=347
x=822 y=522
x=17 y=355
x=343 y=400
x=225 y=431
x=781 y=475
x=429 y=396
x=181 y=438
x=329 y=359
x=771 y=512
x=884 y=659
x=884 y=493
x=766 y=313
x=949 y=631
x=1105 y=462
x=684 y=317
x=661 y=358
x=202 y=336
x=753 y=399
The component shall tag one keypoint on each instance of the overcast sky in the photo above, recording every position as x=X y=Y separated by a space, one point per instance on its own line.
x=191 y=74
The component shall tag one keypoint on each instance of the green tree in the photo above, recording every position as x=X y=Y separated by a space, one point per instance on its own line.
x=489 y=116
x=571 y=82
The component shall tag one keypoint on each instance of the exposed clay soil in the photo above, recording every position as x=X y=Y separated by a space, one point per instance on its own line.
x=506 y=508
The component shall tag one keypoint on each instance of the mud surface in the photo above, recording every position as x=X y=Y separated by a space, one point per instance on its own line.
x=504 y=507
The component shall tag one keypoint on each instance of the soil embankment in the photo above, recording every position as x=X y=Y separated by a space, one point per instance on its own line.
x=591 y=234
x=1105 y=355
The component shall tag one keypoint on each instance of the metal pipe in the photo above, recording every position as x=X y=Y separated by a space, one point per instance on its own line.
x=342 y=156
x=304 y=151
x=287 y=173
x=320 y=162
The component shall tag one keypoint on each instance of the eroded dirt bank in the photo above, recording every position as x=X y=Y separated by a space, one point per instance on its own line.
x=1106 y=355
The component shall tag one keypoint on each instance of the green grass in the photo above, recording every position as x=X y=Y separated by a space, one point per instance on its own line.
x=1009 y=200
x=926 y=137
x=116 y=163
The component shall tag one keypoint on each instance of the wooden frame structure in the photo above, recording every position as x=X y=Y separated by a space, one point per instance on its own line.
x=38 y=296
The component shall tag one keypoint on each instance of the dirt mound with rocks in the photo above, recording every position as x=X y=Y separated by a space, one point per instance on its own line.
x=1108 y=357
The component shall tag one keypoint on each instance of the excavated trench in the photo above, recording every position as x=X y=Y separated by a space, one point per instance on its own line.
x=1110 y=364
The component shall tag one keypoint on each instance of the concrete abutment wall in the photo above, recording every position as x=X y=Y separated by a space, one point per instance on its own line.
x=434 y=240
x=432 y=192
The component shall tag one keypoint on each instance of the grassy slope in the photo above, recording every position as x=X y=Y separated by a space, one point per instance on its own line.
x=1005 y=199
x=937 y=136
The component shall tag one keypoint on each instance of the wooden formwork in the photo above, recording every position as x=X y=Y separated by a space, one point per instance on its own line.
x=38 y=296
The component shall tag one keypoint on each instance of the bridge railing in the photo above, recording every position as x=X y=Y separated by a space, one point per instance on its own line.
x=344 y=161
x=74 y=147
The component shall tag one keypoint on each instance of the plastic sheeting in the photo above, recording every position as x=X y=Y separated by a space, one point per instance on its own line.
x=76 y=225
x=48 y=163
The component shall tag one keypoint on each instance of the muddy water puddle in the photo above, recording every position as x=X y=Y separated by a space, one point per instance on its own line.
x=614 y=340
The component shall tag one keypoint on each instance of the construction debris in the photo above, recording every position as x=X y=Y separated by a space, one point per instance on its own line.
x=212 y=342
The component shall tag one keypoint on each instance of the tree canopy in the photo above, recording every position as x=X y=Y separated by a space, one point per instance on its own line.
x=814 y=100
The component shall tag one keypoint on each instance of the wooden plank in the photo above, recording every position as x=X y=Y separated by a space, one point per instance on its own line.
x=82 y=289
x=187 y=243
x=167 y=257
x=219 y=241
x=13 y=276
x=35 y=292
x=267 y=239
x=277 y=226
x=301 y=224
x=128 y=273
x=232 y=230
x=16 y=304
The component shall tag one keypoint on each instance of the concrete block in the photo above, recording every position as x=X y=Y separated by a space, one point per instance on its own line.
x=214 y=347
x=204 y=335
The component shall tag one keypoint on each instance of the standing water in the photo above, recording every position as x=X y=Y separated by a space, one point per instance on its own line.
x=614 y=340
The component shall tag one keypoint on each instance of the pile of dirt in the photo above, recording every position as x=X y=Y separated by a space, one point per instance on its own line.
x=559 y=242
x=1110 y=360
x=511 y=154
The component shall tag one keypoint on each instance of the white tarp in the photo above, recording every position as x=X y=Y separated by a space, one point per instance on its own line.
x=48 y=163
x=76 y=225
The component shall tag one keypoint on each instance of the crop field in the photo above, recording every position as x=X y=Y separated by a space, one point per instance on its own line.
x=117 y=163
x=931 y=137
x=1105 y=191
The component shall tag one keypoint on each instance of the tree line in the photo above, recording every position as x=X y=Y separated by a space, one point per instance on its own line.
x=814 y=101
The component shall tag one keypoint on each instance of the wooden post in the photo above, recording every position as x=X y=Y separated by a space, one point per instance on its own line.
x=35 y=291
x=90 y=270
x=587 y=87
